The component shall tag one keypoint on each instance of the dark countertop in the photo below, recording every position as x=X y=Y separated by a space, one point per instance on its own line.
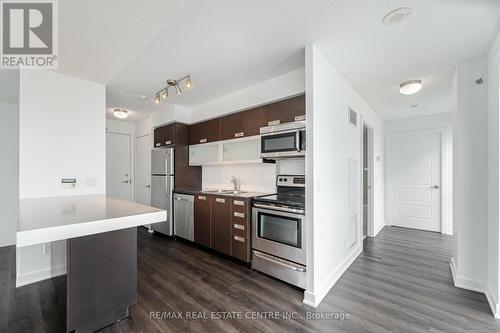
x=244 y=194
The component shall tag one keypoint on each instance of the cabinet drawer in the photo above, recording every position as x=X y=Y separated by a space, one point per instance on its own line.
x=240 y=248
x=239 y=229
x=239 y=216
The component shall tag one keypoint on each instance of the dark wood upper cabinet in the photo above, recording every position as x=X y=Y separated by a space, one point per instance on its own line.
x=221 y=224
x=202 y=212
x=241 y=124
x=164 y=135
x=207 y=131
x=284 y=111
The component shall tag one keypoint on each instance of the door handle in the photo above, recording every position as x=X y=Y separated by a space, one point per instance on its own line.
x=125 y=181
x=148 y=186
x=435 y=187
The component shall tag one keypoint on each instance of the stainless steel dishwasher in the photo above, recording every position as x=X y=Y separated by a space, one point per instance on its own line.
x=184 y=216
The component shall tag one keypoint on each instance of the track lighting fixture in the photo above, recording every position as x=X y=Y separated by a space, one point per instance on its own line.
x=163 y=93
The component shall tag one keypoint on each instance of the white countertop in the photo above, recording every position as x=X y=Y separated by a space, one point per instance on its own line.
x=43 y=220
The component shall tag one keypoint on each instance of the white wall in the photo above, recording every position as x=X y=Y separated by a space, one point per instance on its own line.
x=280 y=87
x=334 y=142
x=444 y=123
x=254 y=177
x=62 y=135
x=492 y=80
x=470 y=177
x=9 y=190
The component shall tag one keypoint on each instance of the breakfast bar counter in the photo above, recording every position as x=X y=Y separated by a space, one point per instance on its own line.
x=101 y=253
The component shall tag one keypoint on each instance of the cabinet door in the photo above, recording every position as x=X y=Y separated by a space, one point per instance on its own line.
x=207 y=131
x=241 y=124
x=221 y=224
x=159 y=135
x=168 y=134
x=284 y=111
x=202 y=220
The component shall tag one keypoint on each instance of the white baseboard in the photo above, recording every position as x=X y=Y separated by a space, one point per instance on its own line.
x=474 y=285
x=378 y=228
x=314 y=298
x=40 y=275
x=7 y=241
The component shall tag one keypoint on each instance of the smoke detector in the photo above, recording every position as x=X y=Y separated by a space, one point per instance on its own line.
x=397 y=16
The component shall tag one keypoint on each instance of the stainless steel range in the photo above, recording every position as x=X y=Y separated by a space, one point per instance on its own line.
x=278 y=236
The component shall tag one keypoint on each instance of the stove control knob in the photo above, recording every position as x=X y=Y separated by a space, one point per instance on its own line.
x=281 y=179
x=286 y=179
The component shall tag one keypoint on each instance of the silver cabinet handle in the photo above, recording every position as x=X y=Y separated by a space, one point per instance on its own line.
x=241 y=215
x=158 y=144
x=220 y=200
x=239 y=239
x=239 y=134
x=202 y=197
x=279 y=262
x=203 y=140
x=239 y=202
x=168 y=142
x=273 y=122
x=239 y=226
x=436 y=187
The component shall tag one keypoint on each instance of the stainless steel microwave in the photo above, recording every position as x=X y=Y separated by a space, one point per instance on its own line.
x=283 y=141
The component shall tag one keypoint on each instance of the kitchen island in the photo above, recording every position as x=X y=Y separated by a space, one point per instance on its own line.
x=101 y=253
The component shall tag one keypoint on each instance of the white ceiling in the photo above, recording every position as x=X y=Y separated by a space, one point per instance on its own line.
x=227 y=45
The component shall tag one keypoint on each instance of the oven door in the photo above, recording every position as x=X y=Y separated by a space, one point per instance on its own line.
x=281 y=144
x=278 y=233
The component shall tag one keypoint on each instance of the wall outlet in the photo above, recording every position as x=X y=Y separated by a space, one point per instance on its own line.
x=46 y=249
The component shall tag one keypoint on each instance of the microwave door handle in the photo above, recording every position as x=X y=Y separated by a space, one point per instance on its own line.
x=297 y=141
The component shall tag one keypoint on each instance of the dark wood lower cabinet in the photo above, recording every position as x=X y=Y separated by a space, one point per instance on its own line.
x=223 y=224
x=221 y=220
x=202 y=221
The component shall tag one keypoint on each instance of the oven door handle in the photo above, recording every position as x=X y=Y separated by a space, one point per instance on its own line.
x=282 y=209
x=297 y=141
x=298 y=269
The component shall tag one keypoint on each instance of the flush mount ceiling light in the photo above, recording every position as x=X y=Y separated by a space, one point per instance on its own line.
x=175 y=84
x=410 y=87
x=120 y=113
x=397 y=16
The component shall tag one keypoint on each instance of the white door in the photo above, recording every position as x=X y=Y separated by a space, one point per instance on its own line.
x=416 y=181
x=143 y=170
x=118 y=166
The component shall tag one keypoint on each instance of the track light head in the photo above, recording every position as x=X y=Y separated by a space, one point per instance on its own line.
x=157 y=98
x=164 y=93
x=189 y=84
x=178 y=89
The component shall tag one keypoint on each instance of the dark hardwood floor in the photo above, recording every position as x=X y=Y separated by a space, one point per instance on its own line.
x=401 y=283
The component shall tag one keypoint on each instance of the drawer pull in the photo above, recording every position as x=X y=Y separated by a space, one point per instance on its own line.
x=239 y=239
x=299 y=118
x=203 y=140
x=202 y=197
x=168 y=142
x=158 y=144
x=239 y=202
x=220 y=200
x=239 y=134
x=241 y=215
x=273 y=122
x=239 y=226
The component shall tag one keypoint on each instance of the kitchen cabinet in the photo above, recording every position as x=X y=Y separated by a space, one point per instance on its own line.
x=236 y=151
x=284 y=111
x=203 y=154
x=164 y=135
x=240 y=228
x=241 y=124
x=204 y=132
x=221 y=224
x=202 y=223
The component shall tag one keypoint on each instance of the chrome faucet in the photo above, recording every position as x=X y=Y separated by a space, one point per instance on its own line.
x=237 y=183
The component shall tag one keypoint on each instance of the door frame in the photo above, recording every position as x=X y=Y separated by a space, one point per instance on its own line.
x=370 y=232
x=446 y=174
x=131 y=162
x=134 y=159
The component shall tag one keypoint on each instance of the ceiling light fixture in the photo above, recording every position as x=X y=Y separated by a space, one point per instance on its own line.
x=397 y=16
x=120 y=113
x=175 y=84
x=410 y=87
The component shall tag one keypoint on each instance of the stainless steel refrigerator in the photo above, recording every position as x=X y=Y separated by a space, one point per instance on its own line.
x=162 y=186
